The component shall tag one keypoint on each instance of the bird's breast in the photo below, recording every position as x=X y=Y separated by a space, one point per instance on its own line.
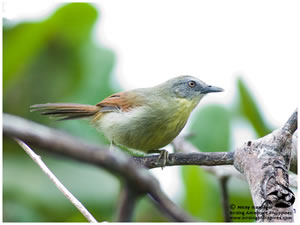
x=146 y=128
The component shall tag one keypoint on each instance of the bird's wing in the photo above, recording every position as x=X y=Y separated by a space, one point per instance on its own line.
x=122 y=101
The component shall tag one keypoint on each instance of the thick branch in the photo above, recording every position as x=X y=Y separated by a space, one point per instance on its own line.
x=265 y=163
x=294 y=156
x=118 y=163
x=292 y=124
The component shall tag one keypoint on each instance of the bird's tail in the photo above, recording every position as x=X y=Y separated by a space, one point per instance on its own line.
x=65 y=111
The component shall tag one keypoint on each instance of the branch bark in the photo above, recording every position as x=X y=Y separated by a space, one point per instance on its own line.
x=193 y=158
x=265 y=163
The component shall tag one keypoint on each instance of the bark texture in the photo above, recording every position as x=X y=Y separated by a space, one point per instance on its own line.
x=265 y=163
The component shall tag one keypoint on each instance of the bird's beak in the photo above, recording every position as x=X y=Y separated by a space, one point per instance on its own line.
x=210 y=88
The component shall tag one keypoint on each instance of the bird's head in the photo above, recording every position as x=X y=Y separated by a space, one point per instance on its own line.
x=188 y=87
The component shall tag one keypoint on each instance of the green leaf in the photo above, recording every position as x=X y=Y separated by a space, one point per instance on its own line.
x=249 y=109
x=211 y=129
x=69 y=26
x=20 y=45
x=73 y=22
x=202 y=196
x=242 y=215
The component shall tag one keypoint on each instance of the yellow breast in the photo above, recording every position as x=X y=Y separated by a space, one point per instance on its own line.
x=145 y=128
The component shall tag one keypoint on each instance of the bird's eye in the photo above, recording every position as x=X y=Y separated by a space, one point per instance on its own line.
x=192 y=83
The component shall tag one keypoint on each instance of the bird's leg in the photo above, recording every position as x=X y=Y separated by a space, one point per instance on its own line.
x=163 y=154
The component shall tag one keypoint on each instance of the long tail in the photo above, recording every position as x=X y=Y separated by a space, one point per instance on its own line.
x=65 y=111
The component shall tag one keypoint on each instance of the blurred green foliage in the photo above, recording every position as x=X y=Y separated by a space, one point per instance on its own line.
x=56 y=60
x=249 y=109
x=212 y=126
x=202 y=196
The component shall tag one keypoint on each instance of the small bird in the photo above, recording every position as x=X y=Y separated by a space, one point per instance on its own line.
x=144 y=119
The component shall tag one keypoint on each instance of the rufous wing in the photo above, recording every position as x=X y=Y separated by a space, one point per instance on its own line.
x=119 y=102
x=122 y=101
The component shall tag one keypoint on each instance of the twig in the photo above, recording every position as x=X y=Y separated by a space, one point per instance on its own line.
x=37 y=159
x=194 y=158
x=225 y=198
x=58 y=142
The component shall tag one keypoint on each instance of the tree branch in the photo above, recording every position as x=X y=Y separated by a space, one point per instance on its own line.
x=265 y=163
x=55 y=141
x=292 y=124
x=194 y=158
x=126 y=203
x=294 y=152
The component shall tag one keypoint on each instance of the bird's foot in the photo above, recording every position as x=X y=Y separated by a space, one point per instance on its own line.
x=163 y=154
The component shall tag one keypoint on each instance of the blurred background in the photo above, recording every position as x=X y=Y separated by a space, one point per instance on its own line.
x=82 y=52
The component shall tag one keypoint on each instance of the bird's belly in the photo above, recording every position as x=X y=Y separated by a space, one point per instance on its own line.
x=142 y=130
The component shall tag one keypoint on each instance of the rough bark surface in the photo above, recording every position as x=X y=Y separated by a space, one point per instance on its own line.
x=265 y=163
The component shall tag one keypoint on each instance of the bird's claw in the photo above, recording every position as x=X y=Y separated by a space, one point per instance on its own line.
x=163 y=154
